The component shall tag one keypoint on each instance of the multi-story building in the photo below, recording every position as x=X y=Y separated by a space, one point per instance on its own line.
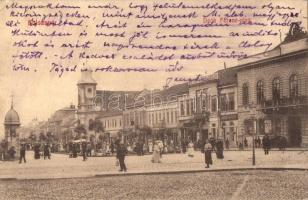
x=198 y=111
x=112 y=123
x=273 y=90
x=228 y=116
x=153 y=114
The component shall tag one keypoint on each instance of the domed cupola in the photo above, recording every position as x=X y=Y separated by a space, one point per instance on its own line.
x=11 y=117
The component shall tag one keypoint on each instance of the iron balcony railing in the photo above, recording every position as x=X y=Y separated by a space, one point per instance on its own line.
x=285 y=102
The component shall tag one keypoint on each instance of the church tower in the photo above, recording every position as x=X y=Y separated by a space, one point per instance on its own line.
x=86 y=94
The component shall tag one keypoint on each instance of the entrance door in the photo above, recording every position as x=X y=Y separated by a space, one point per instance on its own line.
x=294 y=131
x=204 y=135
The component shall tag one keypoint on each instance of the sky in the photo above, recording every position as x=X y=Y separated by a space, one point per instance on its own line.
x=38 y=95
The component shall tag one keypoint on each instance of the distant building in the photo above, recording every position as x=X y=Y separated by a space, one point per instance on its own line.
x=198 y=111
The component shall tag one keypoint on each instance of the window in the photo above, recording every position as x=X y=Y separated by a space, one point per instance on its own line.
x=231 y=102
x=293 y=86
x=276 y=90
x=245 y=94
x=171 y=117
x=187 y=107
x=192 y=106
x=198 y=99
x=89 y=90
x=204 y=99
x=214 y=104
x=223 y=102
x=168 y=117
x=175 y=116
x=182 y=108
x=260 y=92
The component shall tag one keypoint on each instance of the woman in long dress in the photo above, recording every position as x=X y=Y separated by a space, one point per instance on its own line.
x=208 y=154
x=156 y=153
x=190 y=149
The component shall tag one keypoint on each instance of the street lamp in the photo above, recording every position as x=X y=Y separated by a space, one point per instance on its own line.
x=253 y=114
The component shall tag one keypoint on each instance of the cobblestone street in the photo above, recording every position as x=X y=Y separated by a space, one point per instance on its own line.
x=60 y=166
x=275 y=185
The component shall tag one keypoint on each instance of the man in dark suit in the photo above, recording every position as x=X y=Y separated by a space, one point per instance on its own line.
x=84 y=150
x=266 y=144
x=121 y=153
x=22 y=153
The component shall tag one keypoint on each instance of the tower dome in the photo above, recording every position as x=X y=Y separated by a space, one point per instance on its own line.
x=86 y=78
x=11 y=117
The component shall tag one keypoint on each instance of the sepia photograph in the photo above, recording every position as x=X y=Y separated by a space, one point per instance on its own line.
x=154 y=99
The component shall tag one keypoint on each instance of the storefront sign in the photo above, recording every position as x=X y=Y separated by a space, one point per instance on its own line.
x=229 y=117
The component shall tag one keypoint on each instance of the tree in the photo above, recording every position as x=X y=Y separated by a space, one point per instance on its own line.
x=80 y=129
x=98 y=126
x=42 y=137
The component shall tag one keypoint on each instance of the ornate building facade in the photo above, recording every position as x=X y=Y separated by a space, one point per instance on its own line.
x=275 y=85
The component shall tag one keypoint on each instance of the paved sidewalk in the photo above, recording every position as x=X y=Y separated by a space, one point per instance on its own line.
x=60 y=166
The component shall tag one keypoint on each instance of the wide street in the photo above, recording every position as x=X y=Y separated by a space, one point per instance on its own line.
x=274 y=185
x=60 y=166
x=98 y=177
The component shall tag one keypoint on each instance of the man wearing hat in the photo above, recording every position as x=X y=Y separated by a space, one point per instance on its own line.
x=22 y=152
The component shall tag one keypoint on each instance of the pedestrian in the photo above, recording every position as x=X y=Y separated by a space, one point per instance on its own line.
x=121 y=153
x=266 y=144
x=190 y=149
x=213 y=143
x=74 y=150
x=150 y=147
x=241 y=147
x=227 y=143
x=2 y=156
x=84 y=150
x=161 y=147
x=245 y=143
x=219 y=149
x=22 y=153
x=282 y=143
x=89 y=149
x=112 y=148
x=36 y=150
x=259 y=142
x=156 y=153
x=46 y=151
x=183 y=144
x=4 y=147
x=208 y=154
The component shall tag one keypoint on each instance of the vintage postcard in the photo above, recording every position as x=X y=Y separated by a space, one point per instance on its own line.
x=154 y=99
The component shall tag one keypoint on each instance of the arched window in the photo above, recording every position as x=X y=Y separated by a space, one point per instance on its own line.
x=245 y=94
x=276 y=90
x=260 y=92
x=293 y=86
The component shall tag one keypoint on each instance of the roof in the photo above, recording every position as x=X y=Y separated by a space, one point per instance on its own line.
x=11 y=117
x=86 y=78
x=295 y=42
x=227 y=76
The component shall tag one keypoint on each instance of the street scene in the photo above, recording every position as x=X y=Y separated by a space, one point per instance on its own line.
x=163 y=116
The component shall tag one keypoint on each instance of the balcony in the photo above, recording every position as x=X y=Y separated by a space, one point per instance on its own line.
x=284 y=104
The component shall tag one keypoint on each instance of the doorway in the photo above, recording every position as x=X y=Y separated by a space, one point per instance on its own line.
x=294 y=131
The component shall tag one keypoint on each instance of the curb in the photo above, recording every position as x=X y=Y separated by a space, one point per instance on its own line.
x=118 y=174
x=200 y=171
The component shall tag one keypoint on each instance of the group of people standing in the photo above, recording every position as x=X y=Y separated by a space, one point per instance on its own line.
x=45 y=148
